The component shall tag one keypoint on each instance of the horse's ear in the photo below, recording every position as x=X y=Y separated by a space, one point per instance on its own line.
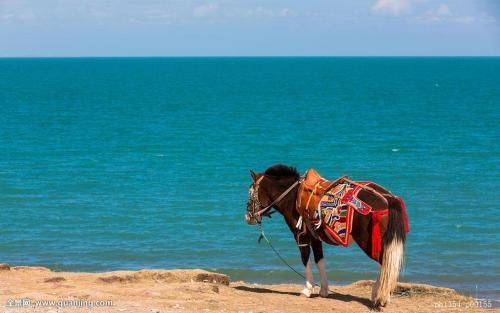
x=254 y=176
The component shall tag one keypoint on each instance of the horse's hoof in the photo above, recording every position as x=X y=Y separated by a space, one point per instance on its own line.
x=324 y=293
x=378 y=306
x=307 y=292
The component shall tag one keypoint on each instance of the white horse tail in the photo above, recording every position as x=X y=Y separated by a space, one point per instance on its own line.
x=393 y=255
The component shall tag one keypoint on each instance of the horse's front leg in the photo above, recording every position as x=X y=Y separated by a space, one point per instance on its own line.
x=317 y=248
x=305 y=252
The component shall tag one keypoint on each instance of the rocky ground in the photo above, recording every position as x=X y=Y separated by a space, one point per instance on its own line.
x=38 y=289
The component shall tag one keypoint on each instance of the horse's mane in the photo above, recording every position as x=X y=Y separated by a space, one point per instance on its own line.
x=281 y=170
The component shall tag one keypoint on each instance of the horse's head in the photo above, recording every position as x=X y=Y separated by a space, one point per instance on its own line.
x=256 y=200
x=268 y=189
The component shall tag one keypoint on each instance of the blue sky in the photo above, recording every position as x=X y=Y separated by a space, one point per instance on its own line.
x=249 y=27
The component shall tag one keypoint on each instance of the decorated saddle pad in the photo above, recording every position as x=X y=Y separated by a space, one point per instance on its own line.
x=328 y=205
x=335 y=215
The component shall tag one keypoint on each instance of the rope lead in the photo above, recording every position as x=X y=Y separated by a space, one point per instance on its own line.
x=263 y=236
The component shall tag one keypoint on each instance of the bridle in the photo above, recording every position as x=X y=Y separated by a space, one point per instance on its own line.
x=256 y=207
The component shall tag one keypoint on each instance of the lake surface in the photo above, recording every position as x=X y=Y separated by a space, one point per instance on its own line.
x=110 y=164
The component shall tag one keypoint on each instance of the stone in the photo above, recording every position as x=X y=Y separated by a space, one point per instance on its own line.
x=4 y=267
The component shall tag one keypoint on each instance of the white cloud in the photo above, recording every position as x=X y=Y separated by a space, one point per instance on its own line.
x=212 y=9
x=443 y=13
x=439 y=14
x=467 y=19
x=394 y=7
x=252 y=12
x=443 y=10
x=205 y=10
x=18 y=17
x=90 y=12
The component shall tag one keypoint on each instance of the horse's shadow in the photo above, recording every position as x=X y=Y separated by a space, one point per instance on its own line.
x=349 y=298
x=332 y=295
x=265 y=290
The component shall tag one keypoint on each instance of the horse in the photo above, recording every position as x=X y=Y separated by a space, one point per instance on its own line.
x=278 y=187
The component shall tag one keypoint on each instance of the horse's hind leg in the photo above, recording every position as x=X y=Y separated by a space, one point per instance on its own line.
x=305 y=253
x=317 y=248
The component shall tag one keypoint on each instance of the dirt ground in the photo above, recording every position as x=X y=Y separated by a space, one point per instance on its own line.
x=38 y=289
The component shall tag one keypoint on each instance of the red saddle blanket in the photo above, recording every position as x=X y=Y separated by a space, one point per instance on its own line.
x=328 y=207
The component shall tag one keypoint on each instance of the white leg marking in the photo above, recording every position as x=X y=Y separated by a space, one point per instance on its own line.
x=323 y=292
x=309 y=280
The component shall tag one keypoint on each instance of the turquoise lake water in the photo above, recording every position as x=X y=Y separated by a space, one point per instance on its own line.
x=123 y=163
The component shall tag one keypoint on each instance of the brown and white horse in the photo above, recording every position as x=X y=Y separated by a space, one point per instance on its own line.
x=277 y=188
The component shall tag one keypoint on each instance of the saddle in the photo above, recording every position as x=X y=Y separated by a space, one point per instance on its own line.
x=327 y=206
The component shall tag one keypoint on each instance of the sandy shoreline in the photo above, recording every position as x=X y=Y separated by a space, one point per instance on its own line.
x=155 y=291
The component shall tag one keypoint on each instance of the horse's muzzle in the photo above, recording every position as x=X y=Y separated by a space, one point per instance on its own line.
x=250 y=220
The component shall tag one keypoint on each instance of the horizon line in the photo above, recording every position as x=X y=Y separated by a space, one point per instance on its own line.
x=251 y=56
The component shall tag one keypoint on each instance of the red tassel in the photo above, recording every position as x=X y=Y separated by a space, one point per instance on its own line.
x=376 y=236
